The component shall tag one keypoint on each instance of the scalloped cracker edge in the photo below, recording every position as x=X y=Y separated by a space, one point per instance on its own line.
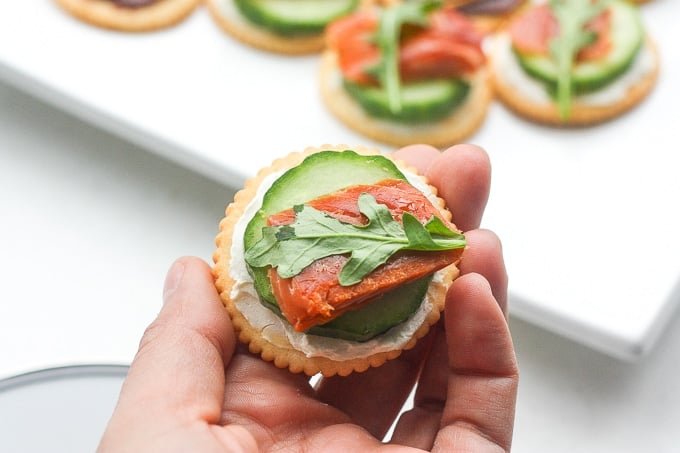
x=279 y=351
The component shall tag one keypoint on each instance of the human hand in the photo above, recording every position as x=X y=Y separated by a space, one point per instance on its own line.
x=192 y=388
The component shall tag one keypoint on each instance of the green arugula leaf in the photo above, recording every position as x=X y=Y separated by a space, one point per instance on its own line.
x=388 y=39
x=315 y=235
x=572 y=17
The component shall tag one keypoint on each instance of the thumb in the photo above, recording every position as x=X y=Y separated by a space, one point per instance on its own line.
x=179 y=368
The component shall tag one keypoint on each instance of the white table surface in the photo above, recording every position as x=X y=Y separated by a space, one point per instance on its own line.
x=90 y=224
x=571 y=206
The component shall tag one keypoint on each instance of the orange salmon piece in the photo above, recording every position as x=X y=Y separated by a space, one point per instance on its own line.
x=315 y=295
x=450 y=46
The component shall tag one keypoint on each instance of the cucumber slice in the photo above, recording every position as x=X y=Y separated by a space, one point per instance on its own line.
x=319 y=174
x=627 y=38
x=421 y=102
x=392 y=308
x=295 y=17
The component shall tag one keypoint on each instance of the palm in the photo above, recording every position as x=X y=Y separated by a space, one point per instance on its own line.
x=281 y=412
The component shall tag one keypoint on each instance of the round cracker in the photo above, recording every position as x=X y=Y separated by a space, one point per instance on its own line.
x=581 y=114
x=279 y=350
x=458 y=126
x=106 y=14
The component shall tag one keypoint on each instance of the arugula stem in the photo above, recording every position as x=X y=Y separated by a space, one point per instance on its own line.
x=388 y=39
x=572 y=17
x=391 y=31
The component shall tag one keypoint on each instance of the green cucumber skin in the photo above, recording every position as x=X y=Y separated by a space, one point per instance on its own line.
x=315 y=14
x=319 y=174
x=627 y=39
x=393 y=308
x=423 y=102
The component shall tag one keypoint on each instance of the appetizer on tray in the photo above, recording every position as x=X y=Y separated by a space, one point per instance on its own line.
x=406 y=73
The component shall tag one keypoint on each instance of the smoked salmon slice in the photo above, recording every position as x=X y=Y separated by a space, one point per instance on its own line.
x=315 y=295
x=450 y=46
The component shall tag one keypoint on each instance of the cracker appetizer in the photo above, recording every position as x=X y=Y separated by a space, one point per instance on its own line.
x=130 y=15
x=574 y=62
x=406 y=73
x=334 y=260
x=281 y=26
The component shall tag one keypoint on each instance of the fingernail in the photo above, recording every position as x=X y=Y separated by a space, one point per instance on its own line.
x=172 y=279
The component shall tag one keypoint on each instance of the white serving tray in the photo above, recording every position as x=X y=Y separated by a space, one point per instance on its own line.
x=589 y=218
